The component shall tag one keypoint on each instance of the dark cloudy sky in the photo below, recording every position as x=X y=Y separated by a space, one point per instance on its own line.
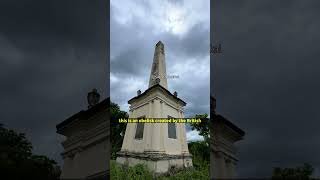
x=183 y=27
x=51 y=54
x=267 y=80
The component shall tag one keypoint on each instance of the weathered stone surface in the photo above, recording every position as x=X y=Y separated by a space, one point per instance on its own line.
x=87 y=143
x=158 y=73
x=223 y=135
x=155 y=148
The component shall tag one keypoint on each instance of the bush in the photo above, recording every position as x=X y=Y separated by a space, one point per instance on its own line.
x=190 y=173
x=200 y=158
x=140 y=171
x=17 y=160
x=121 y=172
x=303 y=172
x=200 y=154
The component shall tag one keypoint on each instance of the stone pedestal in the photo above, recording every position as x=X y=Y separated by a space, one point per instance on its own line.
x=156 y=148
x=223 y=152
x=156 y=162
x=87 y=144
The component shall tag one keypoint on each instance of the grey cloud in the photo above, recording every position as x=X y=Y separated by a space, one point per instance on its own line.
x=132 y=48
x=265 y=80
x=194 y=44
x=52 y=54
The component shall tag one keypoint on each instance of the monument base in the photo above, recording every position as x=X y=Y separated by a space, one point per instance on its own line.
x=159 y=163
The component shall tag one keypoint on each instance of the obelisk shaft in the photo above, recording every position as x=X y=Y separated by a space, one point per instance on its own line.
x=158 y=70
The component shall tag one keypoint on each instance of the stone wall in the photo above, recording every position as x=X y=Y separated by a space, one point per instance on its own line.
x=86 y=152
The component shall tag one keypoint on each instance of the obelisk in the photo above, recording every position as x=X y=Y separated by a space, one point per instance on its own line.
x=158 y=73
x=160 y=146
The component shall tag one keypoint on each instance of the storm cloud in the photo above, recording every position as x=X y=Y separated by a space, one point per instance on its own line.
x=266 y=80
x=52 y=53
x=183 y=27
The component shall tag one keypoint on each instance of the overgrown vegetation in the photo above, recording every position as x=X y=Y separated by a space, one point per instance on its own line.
x=18 y=161
x=120 y=172
x=200 y=154
x=200 y=169
x=117 y=129
x=140 y=171
x=303 y=172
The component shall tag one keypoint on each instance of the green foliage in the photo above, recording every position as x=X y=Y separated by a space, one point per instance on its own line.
x=17 y=160
x=14 y=146
x=121 y=172
x=117 y=129
x=200 y=154
x=200 y=157
x=188 y=174
x=202 y=127
x=303 y=172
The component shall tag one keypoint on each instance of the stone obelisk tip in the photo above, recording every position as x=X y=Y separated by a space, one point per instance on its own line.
x=158 y=70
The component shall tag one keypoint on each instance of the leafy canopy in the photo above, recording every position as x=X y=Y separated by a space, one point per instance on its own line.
x=117 y=129
x=303 y=172
x=17 y=160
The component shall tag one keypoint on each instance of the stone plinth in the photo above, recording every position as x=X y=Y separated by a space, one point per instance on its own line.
x=223 y=158
x=87 y=143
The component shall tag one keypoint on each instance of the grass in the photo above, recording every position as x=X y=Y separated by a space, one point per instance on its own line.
x=140 y=171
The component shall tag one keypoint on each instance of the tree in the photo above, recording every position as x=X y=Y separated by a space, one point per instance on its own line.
x=202 y=127
x=17 y=160
x=117 y=129
x=200 y=150
x=303 y=172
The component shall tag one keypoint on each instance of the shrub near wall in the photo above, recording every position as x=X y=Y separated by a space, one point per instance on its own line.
x=200 y=158
x=121 y=172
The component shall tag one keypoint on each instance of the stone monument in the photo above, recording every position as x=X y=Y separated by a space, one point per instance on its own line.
x=161 y=146
x=87 y=141
x=224 y=134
